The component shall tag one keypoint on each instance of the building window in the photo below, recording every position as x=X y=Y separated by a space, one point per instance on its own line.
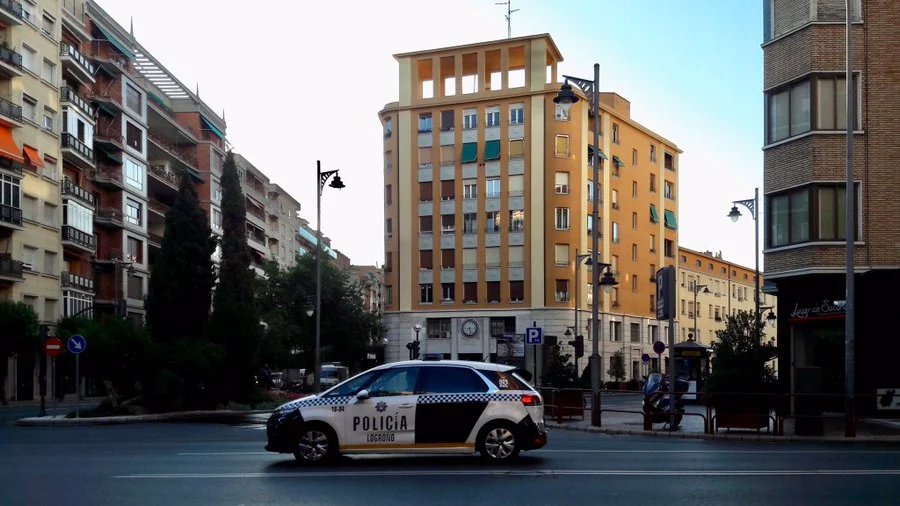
x=634 y=282
x=10 y=191
x=516 y=291
x=517 y=114
x=134 y=99
x=669 y=246
x=217 y=219
x=135 y=251
x=614 y=196
x=516 y=220
x=492 y=221
x=48 y=72
x=388 y=228
x=561 y=254
x=133 y=212
x=470 y=293
x=634 y=189
x=653 y=183
x=388 y=295
x=562 y=290
x=562 y=218
x=562 y=183
x=470 y=223
x=812 y=213
x=426 y=259
x=470 y=189
x=615 y=333
x=492 y=117
x=634 y=251
x=388 y=127
x=134 y=136
x=516 y=148
x=426 y=225
x=561 y=146
x=634 y=157
x=634 y=221
x=669 y=190
x=426 y=296
x=562 y=114
x=492 y=257
x=652 y=243
x=387 y=195
x=448 y=292
x=424 y=122
x=493 y=291
x=470 y=119
x=426 y=191
x=79 y=217
x=615 y=133
x=77 y=303
x=492 y=188
x=49 y=121
x=615 y=232
x=134 y=174
x=29 y=108
x=448 y=224
x=818 y=103
x=652 y=152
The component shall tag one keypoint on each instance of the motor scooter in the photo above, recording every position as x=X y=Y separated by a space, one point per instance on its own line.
x=656 y=399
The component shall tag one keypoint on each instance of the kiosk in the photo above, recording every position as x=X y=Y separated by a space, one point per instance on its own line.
x=692 y=363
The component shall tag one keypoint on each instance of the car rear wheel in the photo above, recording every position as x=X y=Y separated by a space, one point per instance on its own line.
x=315 y=444
x=498 y=443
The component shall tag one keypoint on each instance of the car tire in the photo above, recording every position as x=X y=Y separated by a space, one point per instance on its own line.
x=315 y=443
x=498 y=442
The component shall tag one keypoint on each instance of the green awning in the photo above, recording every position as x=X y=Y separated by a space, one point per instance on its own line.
x=591 y=151
x=159 y=101
x=210 y=126
x=618 y=161
x=469 y=152
x=115 y=42
x=654 y=216
x=670 y=220
x=491 y=150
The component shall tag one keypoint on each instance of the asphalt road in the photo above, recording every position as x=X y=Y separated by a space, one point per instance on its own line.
x=197 y=464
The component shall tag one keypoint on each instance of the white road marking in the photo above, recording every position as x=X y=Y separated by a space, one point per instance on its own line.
x=546 y=472
x=601 y=451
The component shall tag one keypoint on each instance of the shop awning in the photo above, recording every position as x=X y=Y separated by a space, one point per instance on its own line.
x=469 y=152
x=34 y=158
x=8 y=147
x=654 y=215
x=492 y=150
x=670 y=220
x=210 y=126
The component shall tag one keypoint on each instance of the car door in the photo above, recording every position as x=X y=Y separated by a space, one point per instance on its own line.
x=452 y=400
x=387 y=417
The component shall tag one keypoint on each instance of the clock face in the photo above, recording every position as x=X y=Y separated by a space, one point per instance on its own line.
x=470 y=327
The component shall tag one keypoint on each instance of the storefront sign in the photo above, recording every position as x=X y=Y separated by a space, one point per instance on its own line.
x=825 y=310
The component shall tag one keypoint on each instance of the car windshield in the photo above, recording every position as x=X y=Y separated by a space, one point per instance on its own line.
x=329 y=373
x=352 y=385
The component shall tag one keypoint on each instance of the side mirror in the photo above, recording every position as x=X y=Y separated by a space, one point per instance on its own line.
x=362 y=395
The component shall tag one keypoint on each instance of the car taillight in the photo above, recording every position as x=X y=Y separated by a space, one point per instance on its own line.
x=531 y=400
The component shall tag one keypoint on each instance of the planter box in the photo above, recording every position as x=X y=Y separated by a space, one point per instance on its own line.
x=742 y=417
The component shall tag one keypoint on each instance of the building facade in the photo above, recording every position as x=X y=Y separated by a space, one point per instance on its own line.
x=487 y=206
x=370 y=281
x=805 y=169
x=283 y=214
x=709 y=289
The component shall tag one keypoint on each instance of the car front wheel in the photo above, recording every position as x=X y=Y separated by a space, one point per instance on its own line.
x=315 y=444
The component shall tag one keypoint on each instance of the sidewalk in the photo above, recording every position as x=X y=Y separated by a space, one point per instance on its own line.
x=692 y=427
x=15 y=410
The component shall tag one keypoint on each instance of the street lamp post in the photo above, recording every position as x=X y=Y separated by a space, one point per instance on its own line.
x=579 y=259
x=565 y=98
x=771 y=319
x=753 y=206
x=321 y=179
x=696 y=290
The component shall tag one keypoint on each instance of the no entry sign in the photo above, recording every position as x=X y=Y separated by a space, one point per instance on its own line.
x=53 y=346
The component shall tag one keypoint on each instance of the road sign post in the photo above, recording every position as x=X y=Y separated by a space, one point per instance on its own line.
x=535 y=337
x=665 y=309
x=76 y=345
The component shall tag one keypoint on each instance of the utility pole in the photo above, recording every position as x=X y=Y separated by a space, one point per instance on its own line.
x=509 y=13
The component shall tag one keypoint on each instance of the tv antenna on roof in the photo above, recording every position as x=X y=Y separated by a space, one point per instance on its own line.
x=509 y=13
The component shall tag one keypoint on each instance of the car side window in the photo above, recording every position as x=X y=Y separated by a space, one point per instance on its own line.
x=452 y=380
x=396 y=381
x=506 y=381
x=352 y=385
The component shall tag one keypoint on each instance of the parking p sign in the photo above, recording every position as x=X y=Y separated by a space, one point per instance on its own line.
x=534 y=335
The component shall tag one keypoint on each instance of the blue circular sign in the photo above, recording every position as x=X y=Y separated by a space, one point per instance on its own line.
x=645 y=358
x=76 y=344
x=659 y=347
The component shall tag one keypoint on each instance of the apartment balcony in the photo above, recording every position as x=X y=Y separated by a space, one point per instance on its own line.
x=74 y=238
x=76 y=63
x=165 y=176
x=162 y=122
x=10 y=270
x=158 y=208
x=109 y=134
x=10 y=217
x=257 y=243
x=155 y=240
x=10 y=114
x=70 y=189
x=109 y=217
x=74 y=281
x=108 y=177
x=160 y=146
x=69 y=96
x=76 y=151
x=10 y=13
x=11 y=166
x=10 y=63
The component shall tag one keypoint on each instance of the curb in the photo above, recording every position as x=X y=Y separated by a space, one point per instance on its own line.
x=728 y=437
x=182 y=416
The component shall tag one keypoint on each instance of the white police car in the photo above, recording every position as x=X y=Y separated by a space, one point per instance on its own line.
x=415 y=407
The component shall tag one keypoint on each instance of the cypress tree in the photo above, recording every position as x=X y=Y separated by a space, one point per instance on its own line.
x=182 y=278
x=235 y=319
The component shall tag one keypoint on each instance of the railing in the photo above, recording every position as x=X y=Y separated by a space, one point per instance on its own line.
x=72 y=189
x=159 y=207
x=180 y=154
x=10 y=268
x=10 y=214
x=72 y=234
x=72 y=280
x=9 y=56
x=12 y=166
x=107 y=175
x=169 y=177
x=13 y=7
x=109 y=214
x=10 y=110
x=155 y=239
x=67 y=94
x=70 y=51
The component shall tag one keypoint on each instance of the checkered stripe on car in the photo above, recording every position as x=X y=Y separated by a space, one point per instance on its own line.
x=317 y=401
x=441 y=398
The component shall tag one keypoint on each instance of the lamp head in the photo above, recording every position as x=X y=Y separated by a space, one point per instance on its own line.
x=734 y=214
x=336 y=182
x=565 y=98
x=608 y=282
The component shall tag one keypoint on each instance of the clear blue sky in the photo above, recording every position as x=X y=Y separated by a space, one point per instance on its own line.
x=311 y=88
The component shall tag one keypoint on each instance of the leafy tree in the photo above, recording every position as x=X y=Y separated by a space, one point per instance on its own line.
x=19 y=326
x=740 y=357
x=617 y=366
x=559 y=371
x=347 y=331
x=183 y=277
x=121 y=355
x=235 y=320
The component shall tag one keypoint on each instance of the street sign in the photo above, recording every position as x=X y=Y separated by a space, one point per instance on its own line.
x=665 y=302
x=53 y=346
x=645 y=358
x=76 y=344
x=534 y=335
x=659 y=347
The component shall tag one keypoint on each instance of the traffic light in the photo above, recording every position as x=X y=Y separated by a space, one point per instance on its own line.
x=578 y=344
x=413 y=348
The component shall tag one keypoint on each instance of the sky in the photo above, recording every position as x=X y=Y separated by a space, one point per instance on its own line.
x=301 y=81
